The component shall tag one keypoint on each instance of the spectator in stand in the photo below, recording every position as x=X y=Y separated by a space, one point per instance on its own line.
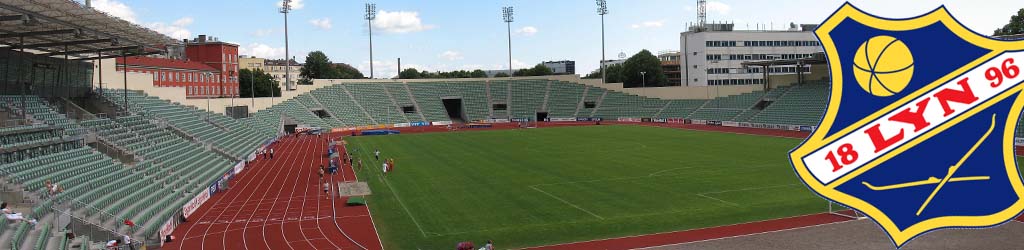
x=53 y=188
x=11 y=215
x=113 y=244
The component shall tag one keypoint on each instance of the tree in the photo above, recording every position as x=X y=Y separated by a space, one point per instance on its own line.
x=643 y=61
x=264 y=83
x=317 y=66
x=537 y=70
x=501 y=74
x=345 y=71
x=409 y=73
x=1016 y=25
x=613 y=73
x=478 y=74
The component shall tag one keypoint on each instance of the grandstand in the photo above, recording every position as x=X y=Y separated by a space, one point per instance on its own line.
x=360 y=104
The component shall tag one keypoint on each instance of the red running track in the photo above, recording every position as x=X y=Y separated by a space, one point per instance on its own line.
x=278 y=204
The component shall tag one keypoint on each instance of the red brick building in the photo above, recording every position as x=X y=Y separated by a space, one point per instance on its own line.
x=210 y=70
x=221 y=56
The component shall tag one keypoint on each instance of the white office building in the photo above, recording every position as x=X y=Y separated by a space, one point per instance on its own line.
x=714 y=56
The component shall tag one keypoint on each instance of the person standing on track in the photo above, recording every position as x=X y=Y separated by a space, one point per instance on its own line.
x=271 y=153
x=321 y=172
x=327 y=190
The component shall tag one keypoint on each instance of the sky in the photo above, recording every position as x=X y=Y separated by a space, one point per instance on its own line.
x=449 y=35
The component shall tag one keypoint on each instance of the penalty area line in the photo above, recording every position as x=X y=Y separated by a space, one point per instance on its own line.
x=567 y=202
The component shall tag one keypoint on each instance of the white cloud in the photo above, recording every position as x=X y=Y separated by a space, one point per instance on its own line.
x=176 y=29
x=184 y=21
x=720 y=7
x=322 y=23
x=262 y=32
x=296 y=4
x=527 y=31
x=400 y=22
x=262 y=51
x=115 y=8
x=648 y=24
x=450 y=55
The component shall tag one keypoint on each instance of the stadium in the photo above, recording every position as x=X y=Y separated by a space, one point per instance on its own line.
x=97 y=148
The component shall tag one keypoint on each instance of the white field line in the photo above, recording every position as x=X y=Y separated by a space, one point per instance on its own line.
x=567 y=202
x=395 y=194
x=719 y=200
x=355 y=176
x=753 y=188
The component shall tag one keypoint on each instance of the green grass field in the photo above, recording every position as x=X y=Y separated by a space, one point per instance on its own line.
x=534 y=187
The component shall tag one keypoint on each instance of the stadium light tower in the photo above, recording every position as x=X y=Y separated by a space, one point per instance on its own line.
x=371 y=14
x=252 y=84
x=602 y=9
x=286 y=6
x=506 y=14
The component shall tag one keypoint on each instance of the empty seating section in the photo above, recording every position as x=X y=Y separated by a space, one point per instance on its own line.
x=618 y=104
x=309 y=104
x=801 y=104
x=20 y=134
x=728 y=107
x=342 y=105
x=40 y=111
x=233 y=138
x=499 y=94
x=527 y=98
x=428 y=96
x=376 y=102
x=681 y=108
x=563 y=98
x=474 y=98
x=401 y=96
x=593 y=95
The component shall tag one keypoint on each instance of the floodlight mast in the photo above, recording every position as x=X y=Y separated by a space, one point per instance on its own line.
x=371 y=14
x=602 y=9
x=506 y=14
x=286 y=6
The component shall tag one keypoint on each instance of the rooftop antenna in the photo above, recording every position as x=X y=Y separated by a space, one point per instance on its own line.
x=702 y=14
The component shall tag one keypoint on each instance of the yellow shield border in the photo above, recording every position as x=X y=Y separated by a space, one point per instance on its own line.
x=818 y=138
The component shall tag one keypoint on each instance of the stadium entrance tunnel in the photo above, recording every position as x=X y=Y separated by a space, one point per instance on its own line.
x=454 y=108
x=289 y=124
x=542 y=116
x=320 y=113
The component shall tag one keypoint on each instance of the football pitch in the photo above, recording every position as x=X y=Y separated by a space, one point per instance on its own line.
x=532 y=187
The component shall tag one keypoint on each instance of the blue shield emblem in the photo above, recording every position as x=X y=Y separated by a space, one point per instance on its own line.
x=919 y=130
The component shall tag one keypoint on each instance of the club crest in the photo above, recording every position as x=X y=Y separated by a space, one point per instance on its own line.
x=919 y=130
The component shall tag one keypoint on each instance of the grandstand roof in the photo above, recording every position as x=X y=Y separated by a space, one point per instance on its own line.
x=50 y=26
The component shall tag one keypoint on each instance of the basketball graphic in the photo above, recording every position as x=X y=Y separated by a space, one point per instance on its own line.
x=883 y=66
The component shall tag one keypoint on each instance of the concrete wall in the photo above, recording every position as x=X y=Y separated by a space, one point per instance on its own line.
x=113 y=79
